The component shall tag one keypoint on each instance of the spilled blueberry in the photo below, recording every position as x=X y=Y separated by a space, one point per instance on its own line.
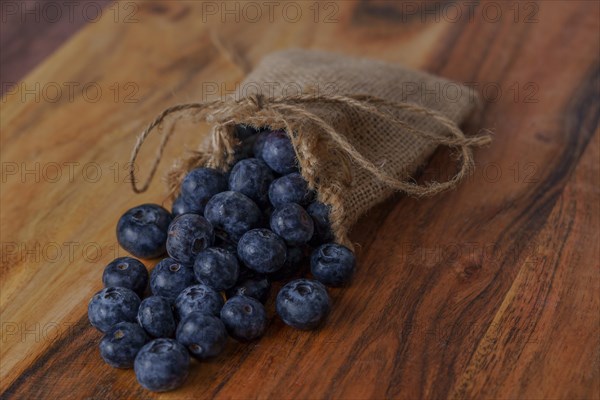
x=169 y=277
x=203 y=335
x=245 y=318
x=188 y=235
x=232 y=214
x=291 y=188
x=292 y=223
x=332 y=264
x=126 y=272
x=278 y=152
x=217 y=268
x=155 y=315
x=142 y=230
x=262 y=250
x=252 y=177
x=198 y=298
x=181 y=206
x=303 y=304
x=121 y=343
x=112 y=305
x=162 y=365
x=199 y=185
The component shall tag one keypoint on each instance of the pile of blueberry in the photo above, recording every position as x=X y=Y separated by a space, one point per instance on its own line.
x=229 y=236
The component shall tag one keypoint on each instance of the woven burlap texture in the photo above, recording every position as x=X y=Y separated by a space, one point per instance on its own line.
x=360 y=127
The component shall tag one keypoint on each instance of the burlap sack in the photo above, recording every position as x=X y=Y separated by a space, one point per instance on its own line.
x=360 y=127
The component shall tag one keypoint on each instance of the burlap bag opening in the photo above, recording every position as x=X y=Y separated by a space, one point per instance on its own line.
x=359 y=127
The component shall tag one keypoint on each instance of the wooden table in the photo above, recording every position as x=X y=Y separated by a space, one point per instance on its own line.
x=489 y=291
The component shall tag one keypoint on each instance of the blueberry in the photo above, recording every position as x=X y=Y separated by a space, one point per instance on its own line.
x=293 y=261
x=162 y=365
x=232 y=213
x=121 y=343
x=200 y=184
x=111 y=306
x=332 y=264
x=126 y=272
x=189 y=234
x=245 y=318
x=155 y=315
x=203 y=335
x=292 y=223
x=252 y=177
x=303 y=304
x=217 y=268
x=259 y=143
x=256 y=287
x=291 y=188
x=201 y=298
x=170 y=277
x=142 y=230
x=278 y=153
x=320 y=215
x=262 y=251
x=182 y=206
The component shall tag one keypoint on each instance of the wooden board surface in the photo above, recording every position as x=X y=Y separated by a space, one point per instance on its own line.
x=490 y=291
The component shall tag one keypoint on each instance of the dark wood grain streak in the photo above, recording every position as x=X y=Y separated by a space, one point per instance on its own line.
x=53 y=357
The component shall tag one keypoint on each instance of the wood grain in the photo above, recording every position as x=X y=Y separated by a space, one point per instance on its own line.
x=489 y=291
x=32 y=30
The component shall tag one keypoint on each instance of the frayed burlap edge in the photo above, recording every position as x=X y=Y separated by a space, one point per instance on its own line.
x=307 y=131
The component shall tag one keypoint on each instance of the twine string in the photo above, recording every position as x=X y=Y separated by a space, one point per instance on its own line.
x=157 y=123
x=293 y=108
